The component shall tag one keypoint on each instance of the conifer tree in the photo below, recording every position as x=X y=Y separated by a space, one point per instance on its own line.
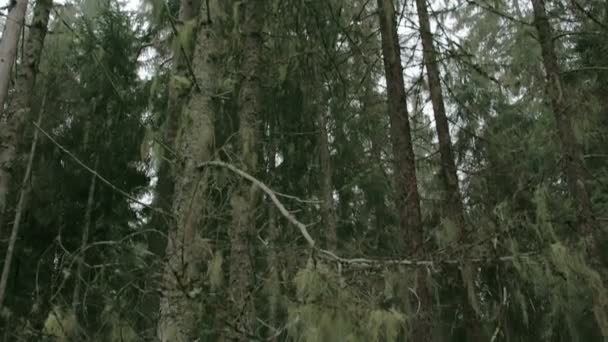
x=408 y=200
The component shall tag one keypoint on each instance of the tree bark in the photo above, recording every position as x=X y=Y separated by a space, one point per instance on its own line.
x=242 y=231
x=571 y=150
x=25 y=189
x=408 y=198
x=454 y=207
x=328 y=211
x=8 y=45
x=274 y=233
x=84 y=240
x=165 y=186
x=182 y=275
x=176 y=100
x=572 y=156
x=13 y=118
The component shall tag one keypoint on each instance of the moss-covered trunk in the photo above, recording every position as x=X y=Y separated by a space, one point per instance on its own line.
x=590 y=232
x=328 y=211
x=182 y=275
x=178 y=96
x=558 y=98
x=17 y=111
x=243 y=201
x=13 y=27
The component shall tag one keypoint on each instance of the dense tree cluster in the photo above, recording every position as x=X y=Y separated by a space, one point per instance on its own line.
x=286 y=170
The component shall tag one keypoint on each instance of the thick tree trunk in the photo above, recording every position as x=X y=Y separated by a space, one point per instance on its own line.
x=182 y=274
x=573 y=160
x=178 y=96
x=17 y=110
x=454 y=209
x=408 y=199
x=25 y=189
x=328 y=209
x=243 y=229
x=8 y=46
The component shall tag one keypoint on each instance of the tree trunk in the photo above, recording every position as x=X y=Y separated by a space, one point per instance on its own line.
x=408 y=199
x=9 y=44
x=177 y=98
x=454 y=208
x=81 y=255
x=25 y=189
x=571 y=151
x=15 y=114
x=242 y=231
x=572 y=157
x=181 y=275
x=328 y=211
x=274 y=233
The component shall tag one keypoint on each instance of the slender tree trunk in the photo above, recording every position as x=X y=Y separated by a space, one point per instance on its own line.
x=588 y=227
x=448 y=167
x=571 y=151
x=181 y=275
x=25 y=189
x=8 y=45
x=328 y=210
x=273 y=241
x=14 y=116
x=454 y=206
x=408 y=199
x=84 y=240
x=243 y=229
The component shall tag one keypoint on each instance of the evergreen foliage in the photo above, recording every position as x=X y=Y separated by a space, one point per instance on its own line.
x=297 y=100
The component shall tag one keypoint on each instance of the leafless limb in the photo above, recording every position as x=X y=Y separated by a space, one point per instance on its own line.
x=359 y=262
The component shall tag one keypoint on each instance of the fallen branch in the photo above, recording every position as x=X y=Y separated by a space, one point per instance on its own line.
x=301 y=226
x=364 y=262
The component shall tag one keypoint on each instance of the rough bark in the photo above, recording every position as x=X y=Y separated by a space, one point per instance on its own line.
x=25 y=189
x=14 y=115
x=590 y=232
x=243 y=201
x=182 y=275
x=178 y=96
x=408 y=198
x=454 y=209
x=571 y=151
x=14 y=23
x=274 y=231
x=328 y=211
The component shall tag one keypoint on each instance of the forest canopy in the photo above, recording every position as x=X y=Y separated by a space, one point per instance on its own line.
x=288 y=170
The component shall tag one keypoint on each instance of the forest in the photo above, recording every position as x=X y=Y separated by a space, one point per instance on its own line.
x=304 y=170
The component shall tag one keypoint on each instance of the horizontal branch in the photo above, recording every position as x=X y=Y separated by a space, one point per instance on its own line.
x=360 y=262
